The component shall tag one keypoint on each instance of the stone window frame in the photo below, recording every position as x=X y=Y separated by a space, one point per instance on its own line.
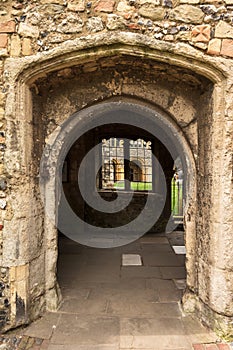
x=127 y=168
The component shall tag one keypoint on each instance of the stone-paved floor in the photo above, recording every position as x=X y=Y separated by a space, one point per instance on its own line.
x=107 y=306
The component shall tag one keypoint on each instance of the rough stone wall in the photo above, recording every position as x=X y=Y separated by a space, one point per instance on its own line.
x=28 y=27
x=69 y=90
x=196 y=35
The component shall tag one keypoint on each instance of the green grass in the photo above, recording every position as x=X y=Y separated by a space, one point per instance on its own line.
x=137 y=186
x=176 y=199
x=141 y=186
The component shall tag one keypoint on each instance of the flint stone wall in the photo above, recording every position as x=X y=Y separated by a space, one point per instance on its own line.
x=176 y=55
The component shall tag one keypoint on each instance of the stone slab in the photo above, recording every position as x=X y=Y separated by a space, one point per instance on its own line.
x=142 y=333
x=91 y=331
x=44 y=327
x=161 y=259
x=172 y=272
x=133 y=308
x=84 y=307
x=131 y=260
x=153 y=239
x=156 y=248
x=196 y=332
x=180 y=283
x=179 y=249
x=166 y=290
x=142 y=272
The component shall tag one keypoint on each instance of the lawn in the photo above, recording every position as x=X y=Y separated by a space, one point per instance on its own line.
x=137 y=186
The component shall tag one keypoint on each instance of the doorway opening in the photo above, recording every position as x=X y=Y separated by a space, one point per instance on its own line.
x=142 y=279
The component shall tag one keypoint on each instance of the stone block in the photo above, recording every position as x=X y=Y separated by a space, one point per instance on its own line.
x=200 y=45
x=152 y=12
x=184 y=36
x=198 y=347
x=154 y=2
x=227 y=47
x=105 y=6
x=94 y=24
x=51 y=9
x=214 y=47
x=15 y=46
x=177 y=109
x=71 y=27
x=224 y=30
x=187 y=14
x=223 y=347
x=168 y=38
x=27 y=30
x=7 y=27
x=2 y=113
x=3 y=40
x=190 y=2
x=114 y=22
x=58 y=2
x=76 y=5
x=26 y=47
x=3 y=204
x=201 y=33
x=123 y=6
x=2 y=99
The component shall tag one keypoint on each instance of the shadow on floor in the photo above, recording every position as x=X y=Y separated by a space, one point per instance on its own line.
x=108 y=306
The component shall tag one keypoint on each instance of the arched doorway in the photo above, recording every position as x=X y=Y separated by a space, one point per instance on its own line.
x=169 y=86
x=89 y=119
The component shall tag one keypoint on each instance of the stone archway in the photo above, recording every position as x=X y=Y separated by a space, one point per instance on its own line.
x=64 y=137
x=203 y=268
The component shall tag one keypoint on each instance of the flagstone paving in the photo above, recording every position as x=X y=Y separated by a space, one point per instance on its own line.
x=107 y=306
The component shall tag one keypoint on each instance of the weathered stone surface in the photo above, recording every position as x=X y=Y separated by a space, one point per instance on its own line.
x=123 y=6
x=26 y=47
x=154 y=2
x=184 y=36
x=200 y=45
x=3 y=40
x=7 y=27
x=187 y=14
x=76 y=5
x=105 y=6
x=133 y=26
x=154 y=13
x=28 y=30
x=2 y=113
x=190 y=2
x=51 y=9
x=59 y=2
x=114 y=22
x=168 y=37
x=201 y=33
x=183 y=110
x=224 y=30
x=15 y=45
x=214 y=47
x=94 y=24
x=72 y=24
x=227 y=47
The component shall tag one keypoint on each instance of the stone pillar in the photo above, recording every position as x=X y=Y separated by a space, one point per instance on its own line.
x=211 y=298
